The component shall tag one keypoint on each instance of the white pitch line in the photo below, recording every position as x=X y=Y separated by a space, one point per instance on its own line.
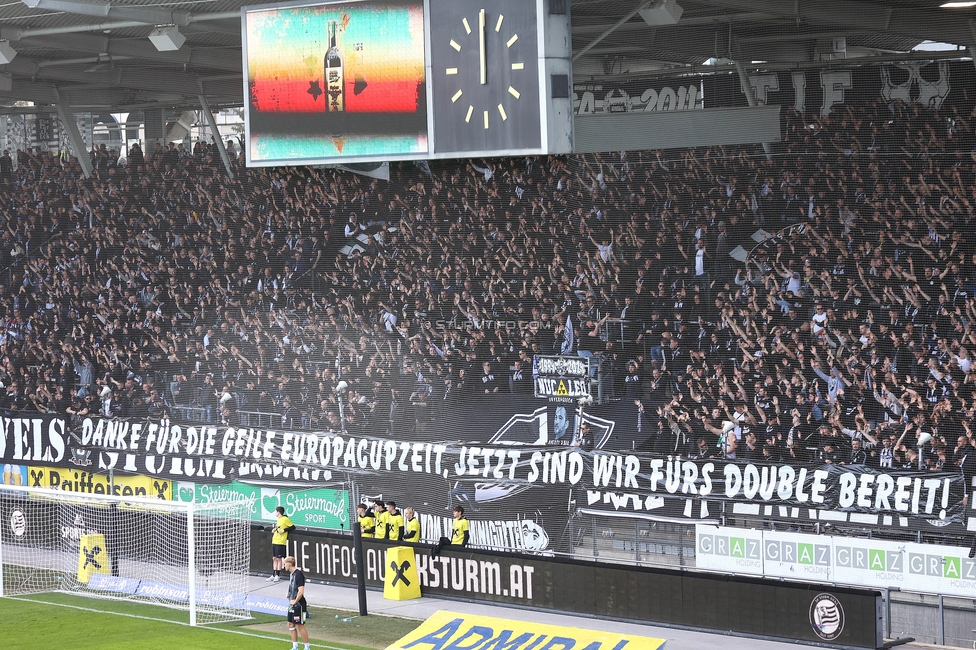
x=166 y=620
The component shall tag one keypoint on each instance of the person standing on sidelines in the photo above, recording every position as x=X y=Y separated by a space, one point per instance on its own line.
x=459 y=533
x=367 y=524
x=381 y=516
x=297 y=606
x=394 y=522
x=411 y=526
x=279 y=542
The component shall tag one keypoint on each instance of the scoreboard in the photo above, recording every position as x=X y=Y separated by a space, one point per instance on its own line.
x=368 y=80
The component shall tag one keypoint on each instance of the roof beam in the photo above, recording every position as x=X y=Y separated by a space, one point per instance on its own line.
x=780 y=65
x=179 y=83
x=211 y=27
x=19 y=33
x=589 y=46
x=45 y=93
x=834 y=12
x=87 y=98
x=853 y=14
x=70 y=124
x=147 y=15
x=693 y=21
x=225 y=58
x=796 y=37
x=703 y=41
x=930 y=25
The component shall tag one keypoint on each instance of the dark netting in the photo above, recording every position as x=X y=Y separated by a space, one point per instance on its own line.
x=808 y=308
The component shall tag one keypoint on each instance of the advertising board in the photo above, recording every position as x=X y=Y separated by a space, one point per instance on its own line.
x=861 y=562
x=308 y=508
x=820 y=614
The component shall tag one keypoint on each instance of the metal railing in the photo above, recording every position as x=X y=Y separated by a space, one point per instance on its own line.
x=193 y=413
x=636 y=542
x=211 y=414
x=258 y=419
x=936 y=619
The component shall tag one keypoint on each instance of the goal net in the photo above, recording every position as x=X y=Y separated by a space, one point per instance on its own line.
x=187 y=556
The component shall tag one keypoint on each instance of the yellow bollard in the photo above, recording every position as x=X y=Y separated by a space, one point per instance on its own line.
x=402 y=582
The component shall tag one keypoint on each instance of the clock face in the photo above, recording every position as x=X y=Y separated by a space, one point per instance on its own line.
x=485 y=75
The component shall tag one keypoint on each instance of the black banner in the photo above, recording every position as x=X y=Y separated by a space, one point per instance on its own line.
x=767 y=608
x=516 y=470
x=822 y=91
x=809 y=91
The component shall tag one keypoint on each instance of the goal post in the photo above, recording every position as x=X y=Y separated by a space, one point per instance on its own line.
x=1 y=563
x=193 y=557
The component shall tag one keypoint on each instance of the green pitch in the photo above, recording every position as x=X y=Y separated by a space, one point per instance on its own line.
x=78 y=623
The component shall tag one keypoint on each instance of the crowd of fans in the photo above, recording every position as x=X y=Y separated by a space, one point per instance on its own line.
x=161 y=284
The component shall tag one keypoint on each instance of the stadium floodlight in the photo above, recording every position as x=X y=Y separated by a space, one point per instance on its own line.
x=957 y=5
x=7 y=53
x=167 y=38
x=193 y=557
x=666 y=12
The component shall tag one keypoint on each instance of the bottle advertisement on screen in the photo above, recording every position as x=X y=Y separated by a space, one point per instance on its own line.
x=336 y=80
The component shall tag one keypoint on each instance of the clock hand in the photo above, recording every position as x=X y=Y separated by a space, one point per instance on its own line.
x=482 y=20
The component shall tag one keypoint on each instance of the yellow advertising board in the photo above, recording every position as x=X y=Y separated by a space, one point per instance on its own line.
x=92 y=556
x=84 y=482
x=453 y=630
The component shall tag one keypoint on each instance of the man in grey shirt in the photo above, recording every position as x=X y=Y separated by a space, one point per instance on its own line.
x=297 y=607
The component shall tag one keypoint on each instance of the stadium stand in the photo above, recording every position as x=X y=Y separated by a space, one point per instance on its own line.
x=843 y=330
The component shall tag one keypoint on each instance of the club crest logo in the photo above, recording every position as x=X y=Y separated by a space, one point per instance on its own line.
x=18 y=523
x=827 y=617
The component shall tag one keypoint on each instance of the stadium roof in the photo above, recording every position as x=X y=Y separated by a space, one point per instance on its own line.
x=97 y=54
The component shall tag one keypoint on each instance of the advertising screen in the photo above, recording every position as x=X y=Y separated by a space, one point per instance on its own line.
x=336 y=80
